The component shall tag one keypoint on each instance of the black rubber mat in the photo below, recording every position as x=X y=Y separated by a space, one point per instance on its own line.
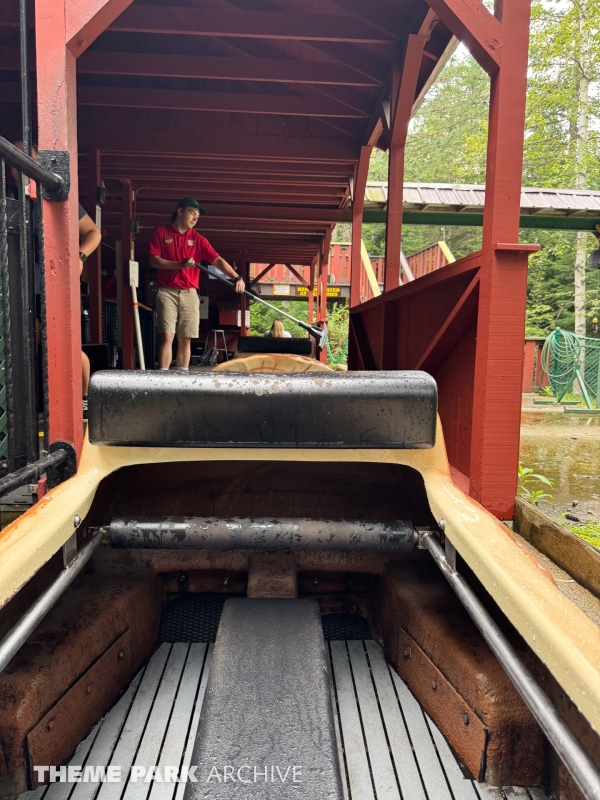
x=191 y=618
x=345 y=626
x=195 y=618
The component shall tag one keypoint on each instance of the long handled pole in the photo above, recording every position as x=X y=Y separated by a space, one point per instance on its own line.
x=138 y=329
x=320 y=334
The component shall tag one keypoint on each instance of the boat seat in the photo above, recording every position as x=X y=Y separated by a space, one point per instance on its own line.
x=266 y=728
x=352 y=410
x=267 y=344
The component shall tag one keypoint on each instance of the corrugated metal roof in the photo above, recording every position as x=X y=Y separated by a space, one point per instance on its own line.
x=470 y=199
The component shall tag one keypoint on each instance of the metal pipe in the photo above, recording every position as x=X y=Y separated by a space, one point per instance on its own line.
x=33 y=470
x=18 y=159
x=18 y=635
x=4 y=288
x=264 y=534
x=320 y=334
x=567 y=747
x=25 y=104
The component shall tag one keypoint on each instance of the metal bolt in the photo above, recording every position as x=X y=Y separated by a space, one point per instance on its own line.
x=434 y=685
x=120 y=655
x=226 y=582
x=182 y=578
x=466 y=719
x=76 y=520
x=315 y=582
x=442 y=525
x=406 y=652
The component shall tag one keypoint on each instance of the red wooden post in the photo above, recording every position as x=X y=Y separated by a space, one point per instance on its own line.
x=57 y=130
x=127 y=324
x=311 y=292
x=401 y=106
x=530 y=347
x=501 y=318
x=94 y=262
x=358 y=204
x=540 y=376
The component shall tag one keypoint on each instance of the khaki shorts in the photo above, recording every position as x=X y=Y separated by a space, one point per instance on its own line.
x=178 y=311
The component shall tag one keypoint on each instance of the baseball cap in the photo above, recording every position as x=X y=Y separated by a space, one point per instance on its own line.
x=189 y=202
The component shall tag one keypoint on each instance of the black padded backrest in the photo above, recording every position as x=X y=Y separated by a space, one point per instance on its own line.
x=266 y=344
x=292 y=410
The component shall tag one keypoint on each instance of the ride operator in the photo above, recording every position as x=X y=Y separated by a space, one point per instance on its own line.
x=173 y=250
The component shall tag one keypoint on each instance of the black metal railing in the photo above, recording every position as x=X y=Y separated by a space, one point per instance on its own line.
x=23 y=362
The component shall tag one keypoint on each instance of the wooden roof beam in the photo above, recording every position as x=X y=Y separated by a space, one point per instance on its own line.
x=249 y=25
x=136 y=138
x=119 y=97
x=472 y=23
x=98 y=62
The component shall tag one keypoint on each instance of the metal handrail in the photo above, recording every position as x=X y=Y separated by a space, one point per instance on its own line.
x=568 y=749
x=22 y=476
x=18 y=159
x=18 y=635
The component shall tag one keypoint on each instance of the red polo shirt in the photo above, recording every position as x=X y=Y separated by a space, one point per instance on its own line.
x=166 y=242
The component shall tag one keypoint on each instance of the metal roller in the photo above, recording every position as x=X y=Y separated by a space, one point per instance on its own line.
x=241 y=533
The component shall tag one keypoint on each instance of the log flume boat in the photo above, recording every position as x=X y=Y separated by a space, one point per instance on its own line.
x=279 y=591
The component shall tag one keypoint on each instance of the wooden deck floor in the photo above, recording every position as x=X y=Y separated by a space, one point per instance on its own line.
x=389 y=748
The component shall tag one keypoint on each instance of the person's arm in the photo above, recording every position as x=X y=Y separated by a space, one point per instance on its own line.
x=156 y=262
x=221 y=264
x=89 y=237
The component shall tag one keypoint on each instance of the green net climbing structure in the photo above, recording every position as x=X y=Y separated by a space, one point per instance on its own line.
x=568 y=359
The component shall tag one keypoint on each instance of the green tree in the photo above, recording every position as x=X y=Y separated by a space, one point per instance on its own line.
x=447 y=144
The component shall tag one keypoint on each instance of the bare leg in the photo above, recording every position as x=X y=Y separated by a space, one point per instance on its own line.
x=85 y=374
x=165 y=351
x=184 y=352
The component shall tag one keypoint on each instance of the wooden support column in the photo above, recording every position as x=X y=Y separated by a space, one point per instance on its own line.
x=401 y=108
x=311 y=291
x=503 y=280
x=127 y=322
x=358 y=204
x=57 y=130
x=323 y=284
x=94 y=262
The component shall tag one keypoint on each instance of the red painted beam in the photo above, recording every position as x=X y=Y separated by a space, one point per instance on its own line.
x=130 y=134
x=529 y=360
x=375 y=13
x=453 y=328
x=501 y=320
x=165 y=177
x=401 y=104
x=307 y=214
x=229 y=102
x=472 y=23
x=297 y=274
x=87 y=19
x=358 y=204
x=98 y=62
x=250 y=25
x=57 y=129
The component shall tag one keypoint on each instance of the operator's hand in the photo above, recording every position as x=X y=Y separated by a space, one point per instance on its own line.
x=187 y=263
x=240 y=286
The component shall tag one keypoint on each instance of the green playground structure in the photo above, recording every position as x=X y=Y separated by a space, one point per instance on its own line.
x=566 y=358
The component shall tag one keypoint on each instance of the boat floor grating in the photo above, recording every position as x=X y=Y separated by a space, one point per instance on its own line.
x=192 y=617
x=390 y=749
